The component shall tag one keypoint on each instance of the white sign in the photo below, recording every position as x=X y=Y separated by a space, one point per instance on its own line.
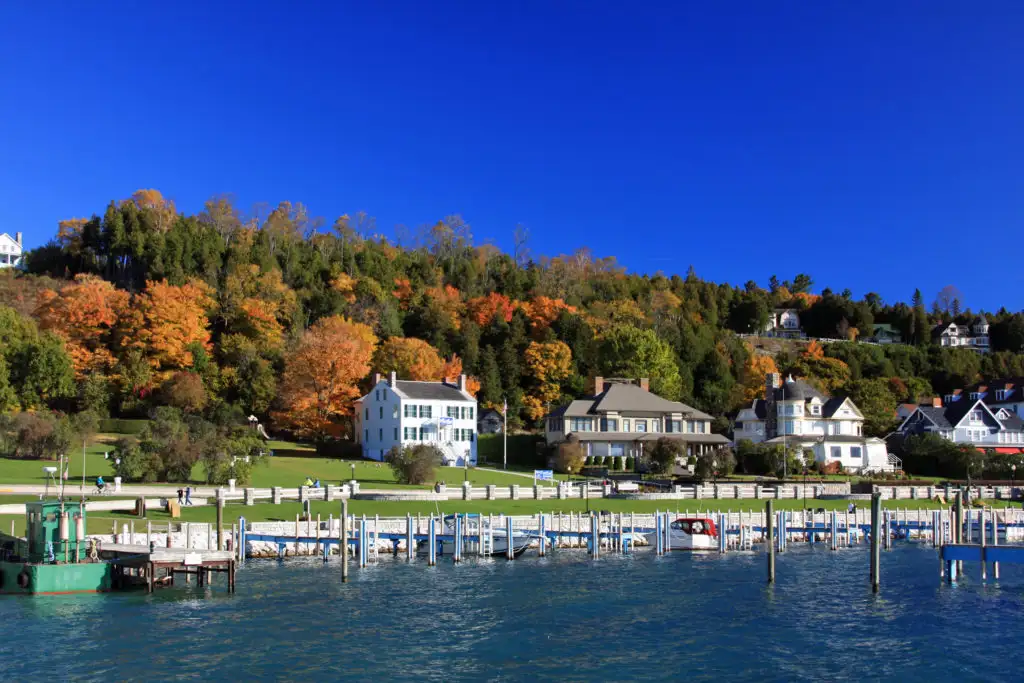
x=446 y=421
x=193 y=559
x=544 y=475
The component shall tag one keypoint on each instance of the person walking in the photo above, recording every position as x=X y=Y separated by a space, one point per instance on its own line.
x=181 y=494
x=188 y=495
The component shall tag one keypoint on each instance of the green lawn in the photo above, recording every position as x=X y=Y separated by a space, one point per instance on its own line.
x=31 y=471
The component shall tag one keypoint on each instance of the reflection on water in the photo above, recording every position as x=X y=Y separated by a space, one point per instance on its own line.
x=564 y=617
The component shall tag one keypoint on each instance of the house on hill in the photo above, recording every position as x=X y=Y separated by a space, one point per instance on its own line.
x=784 y=322
x=623 y=417
x=490 y=422
x=11 y=250
x=953 y=335
x=402 y=413
x=968 y=421
x=795 y=414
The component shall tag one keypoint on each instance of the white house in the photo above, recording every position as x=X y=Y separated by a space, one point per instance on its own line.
x=10 y=250
x=973 y=336
x=401 y=413
x=783 y=322
x=969 y=421
x=798 y=416
x=623 y=417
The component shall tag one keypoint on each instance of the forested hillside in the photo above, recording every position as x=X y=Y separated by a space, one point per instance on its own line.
x=286 y=317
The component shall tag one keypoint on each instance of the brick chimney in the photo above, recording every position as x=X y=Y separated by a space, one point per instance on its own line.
x=393 y=379
x=645 y=384
x=462 y=382
x=17 y=238
x=936 y=402
x=376 y=378
x=598 y=385
x=772 y=381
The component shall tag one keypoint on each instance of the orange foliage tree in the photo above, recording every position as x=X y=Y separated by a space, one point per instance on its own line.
x=451 y=371
x=321 y=376
x=547 y=365
x=483 y=309
x=345 y=285
x=447 y=300
x=167 y=320
x=542 y=311
x=411 y=358
x=257 y=304
x=403 y=292
x=755 y=373
x=84 y=313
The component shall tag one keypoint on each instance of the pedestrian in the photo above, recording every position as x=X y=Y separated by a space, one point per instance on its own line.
x=181 y=493
x=188 y=495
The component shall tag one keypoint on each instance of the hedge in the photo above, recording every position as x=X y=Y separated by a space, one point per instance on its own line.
x=525 y=450
x=122 y=426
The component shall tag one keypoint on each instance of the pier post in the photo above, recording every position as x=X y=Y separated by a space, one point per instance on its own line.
x=432 y=540
x=456 y=539
x=410 y=542
x=722 y=541
x=984 y=565
x=509 y=548
x=995 y=541
x=541 y=549
x=658 y=537
x=769 y=516
x=876 y=547
x=595 y=539
x=317 y=547
x=490 y=534
x=343 y=537
x=220 y=521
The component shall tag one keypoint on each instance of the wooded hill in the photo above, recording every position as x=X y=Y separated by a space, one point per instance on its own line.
x=284 y=317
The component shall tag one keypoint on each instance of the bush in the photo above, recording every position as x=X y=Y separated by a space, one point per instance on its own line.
x=719 y=462
x=630 y=462
x=414 y=464
x=39 y=436
x=588 y=461
x=569 y=456
x=620 y=463
x=664 y=454
x=120 y=426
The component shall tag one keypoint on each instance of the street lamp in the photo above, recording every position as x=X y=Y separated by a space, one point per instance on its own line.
x=1013 y=478
x=714 y=472
x=353 y=471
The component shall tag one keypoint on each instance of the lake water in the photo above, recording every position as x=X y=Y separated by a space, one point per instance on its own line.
x=562 y=618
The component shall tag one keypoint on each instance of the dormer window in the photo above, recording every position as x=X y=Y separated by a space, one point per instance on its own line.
x=975 y=416
x=975 y=395
x=1001 y=394
x=950 y=398
x=815 y=409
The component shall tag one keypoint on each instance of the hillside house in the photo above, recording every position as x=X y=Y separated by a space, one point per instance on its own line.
x=968 y=421
x=11 y=250
x=783 y=322
x=796 y=415
x=953 y=335
x=400 y=413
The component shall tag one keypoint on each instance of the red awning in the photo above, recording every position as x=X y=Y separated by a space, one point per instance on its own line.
x=1009 y=451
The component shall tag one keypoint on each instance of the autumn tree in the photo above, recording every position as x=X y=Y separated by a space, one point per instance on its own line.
x=754 y=375
x=258 y=305
x=547 y=366
x=411 y=358
x=542 y=311
x=166 y=320
x=85 y=314
x=185 y=391
x=321 y=375
x=628 y=351
x=485 y=308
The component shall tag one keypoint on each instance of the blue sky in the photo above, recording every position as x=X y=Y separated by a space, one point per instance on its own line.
x=875 y=145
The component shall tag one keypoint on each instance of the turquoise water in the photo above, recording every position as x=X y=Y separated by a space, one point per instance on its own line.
x=564 y=618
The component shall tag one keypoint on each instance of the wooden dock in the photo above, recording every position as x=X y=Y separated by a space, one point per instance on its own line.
x=158 y=566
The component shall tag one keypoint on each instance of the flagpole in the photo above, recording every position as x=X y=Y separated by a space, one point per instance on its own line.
x=504 y=434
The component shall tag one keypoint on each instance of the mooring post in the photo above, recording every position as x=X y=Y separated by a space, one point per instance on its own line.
x=722 y=542
x=409 y=542
x=541 y=548
x=456 y=538
x=876 y=547
x=432 y=540
x=509 y=548
x=343 y=537
x=984 y=565
x=995 y=541
x=667 y=528
x=594 y=537
x=220 y=523
x=769 y=516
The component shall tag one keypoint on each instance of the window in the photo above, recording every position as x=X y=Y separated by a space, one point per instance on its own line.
x=409 y=433
x=409 y=411
x=815 y=409
x=625 y=425
x=580 y=424
x=381 y=434
x=366 y=412
x=394 y=411
x=641 y=425
x=453 y=411
x=674 y=426
x=609 y=424
x=701 y=427
x=858 y=430
x=471 y=410
x=655 y=425
x=617 y=449
x=382 y=412
x=423 y=433
x=837 y=452
x=366 y=435
x=855 y=452
x=396 y=433
x=949 y=398
x=426 y=411
x=975 y=416
x=1001 y=395
x=975 y=395
x=376 y=394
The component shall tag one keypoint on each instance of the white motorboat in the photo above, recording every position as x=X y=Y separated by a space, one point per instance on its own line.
x=689 y=533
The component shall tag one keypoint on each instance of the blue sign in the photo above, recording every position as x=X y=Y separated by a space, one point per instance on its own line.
x=446 y=421
x=544 y=475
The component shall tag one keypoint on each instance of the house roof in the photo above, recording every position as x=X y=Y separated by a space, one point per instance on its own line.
x=626 y=398
x=828 y=438
x=430 y=391
x=486 y=413
x=949 y=416
x=651 y=436
x=797 y=390
x=1012 y=386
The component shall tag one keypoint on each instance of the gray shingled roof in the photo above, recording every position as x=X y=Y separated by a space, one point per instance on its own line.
x=626 y=398
x=797 y=390
x=430 y=391
x=650 y=436
x=936 y=415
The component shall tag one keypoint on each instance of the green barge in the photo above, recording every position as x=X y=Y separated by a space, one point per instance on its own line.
x=55 y=557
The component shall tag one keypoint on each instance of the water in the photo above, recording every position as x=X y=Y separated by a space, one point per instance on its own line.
x=562 y=618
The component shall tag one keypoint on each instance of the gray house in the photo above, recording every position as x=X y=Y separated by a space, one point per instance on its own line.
x=967 y=422
x=490 y=421
x=623 y=418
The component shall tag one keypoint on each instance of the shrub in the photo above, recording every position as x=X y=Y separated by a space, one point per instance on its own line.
x=116 y=426
x=630 y=462
x=720 y=461
x=40 y=435
x=588 y=461
x=664 y=454
x=569 y=457
x=414 y=464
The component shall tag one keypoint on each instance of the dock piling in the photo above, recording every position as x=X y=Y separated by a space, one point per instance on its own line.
x=343 y=537
x=541 y=548
x=876 y=546
x=509 y=546
x=770 y=539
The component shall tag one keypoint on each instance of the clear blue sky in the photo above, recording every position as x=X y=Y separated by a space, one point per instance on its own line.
x=875 y=145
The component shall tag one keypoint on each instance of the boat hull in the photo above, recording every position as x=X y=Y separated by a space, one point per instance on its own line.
x=499 y=548
x=55 y=579
x=680 y=540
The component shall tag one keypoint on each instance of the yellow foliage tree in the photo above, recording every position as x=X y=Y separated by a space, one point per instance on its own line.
x=547 y=364
x=411 y=358
x=755 y=373
x=166 y=320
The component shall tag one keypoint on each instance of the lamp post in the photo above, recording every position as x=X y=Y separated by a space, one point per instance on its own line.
x=353 y=471
x=1013 y=478
x=714 y=472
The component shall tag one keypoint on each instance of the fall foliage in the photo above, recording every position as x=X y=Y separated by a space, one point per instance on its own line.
x=321 y=377
x=485 y=308
x=754 y=376
x=167 y=321
x=411 y=358
x=547 y=364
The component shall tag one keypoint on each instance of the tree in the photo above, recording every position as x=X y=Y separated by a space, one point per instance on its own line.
x=801 y=283
x=485 y=308
x=415 y=464
x=167 y=320
x=8 y=397
x=755 y=374
x=411 y=358
x=43 y=371
x=949 y=300
x=185 y=391
x=547 y=365
x=920 y=327
x=40 y=436
x=628 y=351
x=664 y=453
x=876 y=402
x=320 y=378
